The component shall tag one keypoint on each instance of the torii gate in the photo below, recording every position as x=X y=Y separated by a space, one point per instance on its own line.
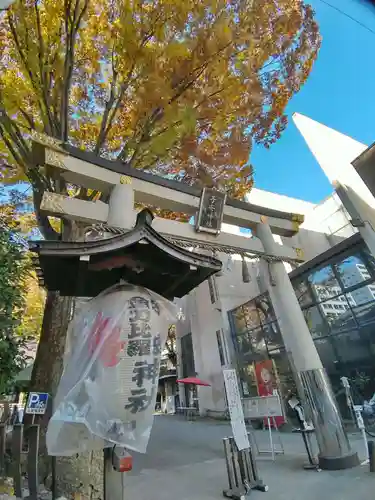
x=127 y=186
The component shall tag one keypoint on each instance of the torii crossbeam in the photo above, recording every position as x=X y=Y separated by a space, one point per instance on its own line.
x=89 y=171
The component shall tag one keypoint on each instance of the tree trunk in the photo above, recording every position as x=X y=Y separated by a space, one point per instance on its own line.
x=49 y=358
x=82 y=473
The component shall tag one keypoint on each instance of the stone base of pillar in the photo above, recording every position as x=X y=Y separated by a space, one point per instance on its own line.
x=335 y=451
x=339 y=463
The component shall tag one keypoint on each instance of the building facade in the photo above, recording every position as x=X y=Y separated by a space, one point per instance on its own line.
x=229 y=323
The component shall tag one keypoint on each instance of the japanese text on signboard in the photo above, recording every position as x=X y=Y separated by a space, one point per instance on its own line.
x=211 y=210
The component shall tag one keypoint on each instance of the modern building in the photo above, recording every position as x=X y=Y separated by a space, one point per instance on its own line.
x=229 y=323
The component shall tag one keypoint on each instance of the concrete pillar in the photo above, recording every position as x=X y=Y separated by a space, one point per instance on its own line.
x=121 y=211
x=179 y=371
x=228 y=345
x=368 y=234
x=196 y=335
x=362 y=214
x=169 y=397
x=335 y=451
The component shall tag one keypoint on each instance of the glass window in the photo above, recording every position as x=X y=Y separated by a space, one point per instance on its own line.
x=272 y=336
x=280 y=358
x=265 y=309
x=324 y=284
x=244 y=347
x=283 y=371
x=369 y=258
x=350 y=346
x=361 y=295
x=238 y=320
x=365 y=313
x=337 y=314
x=248 y=380
x=368 y=332
x=252 y=345
x=317 y=325
x=303 y=293
x=257 y=342
x=363 y=381
x=326 y=352
x=353 y=270
x=251 y=315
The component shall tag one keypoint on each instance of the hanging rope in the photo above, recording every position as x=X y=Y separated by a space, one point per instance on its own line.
x=199 y=245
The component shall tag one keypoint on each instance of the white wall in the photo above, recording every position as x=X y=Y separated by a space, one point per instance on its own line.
x=278 y=202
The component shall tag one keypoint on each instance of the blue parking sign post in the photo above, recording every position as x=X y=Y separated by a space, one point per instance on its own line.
x=37 y=403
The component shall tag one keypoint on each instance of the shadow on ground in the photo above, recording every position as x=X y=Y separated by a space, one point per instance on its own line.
x=186 y=461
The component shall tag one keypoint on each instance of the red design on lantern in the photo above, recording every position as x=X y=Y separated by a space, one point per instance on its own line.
x=109 y=343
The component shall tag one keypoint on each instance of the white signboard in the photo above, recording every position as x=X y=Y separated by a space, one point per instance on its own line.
x=262 y=407
x=235 y=409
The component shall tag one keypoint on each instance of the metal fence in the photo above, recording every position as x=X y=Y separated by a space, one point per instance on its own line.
x=19 y=452
x=19 y=456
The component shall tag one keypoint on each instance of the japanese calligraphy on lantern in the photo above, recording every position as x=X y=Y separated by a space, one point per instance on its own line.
x=145 y=349
x=235 y=409
x=211 y=209
x=107 y=392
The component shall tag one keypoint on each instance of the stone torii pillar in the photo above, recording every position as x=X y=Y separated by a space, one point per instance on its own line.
x=335 y=451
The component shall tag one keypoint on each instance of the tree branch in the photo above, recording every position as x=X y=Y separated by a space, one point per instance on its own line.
x=11 y=128
x=103 y=126
x=29 y=72
x=27 y=117
x=44 y=85
x=44 y=224
x=17 y=157
x=72 y=24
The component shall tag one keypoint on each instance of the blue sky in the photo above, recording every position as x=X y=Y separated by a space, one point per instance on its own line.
x=338 y=93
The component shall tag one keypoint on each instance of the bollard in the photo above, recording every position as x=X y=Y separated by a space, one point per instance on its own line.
x=229 y=463
x=242 y=471
x=371 y=455
x=32 y=435
x=17 y=441
x=3 y=436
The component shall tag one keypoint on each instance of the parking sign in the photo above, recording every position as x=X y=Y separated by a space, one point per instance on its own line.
x=37 y=403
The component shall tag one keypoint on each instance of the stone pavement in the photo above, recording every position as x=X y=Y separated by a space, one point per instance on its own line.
x=185 y=462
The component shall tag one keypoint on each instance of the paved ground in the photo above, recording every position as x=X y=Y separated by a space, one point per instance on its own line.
x=185 y=462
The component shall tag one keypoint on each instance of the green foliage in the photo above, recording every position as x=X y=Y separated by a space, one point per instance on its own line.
x=14 y=274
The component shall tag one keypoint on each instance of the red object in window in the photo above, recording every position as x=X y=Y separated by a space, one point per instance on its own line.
x=108 y=342
x=266 y=382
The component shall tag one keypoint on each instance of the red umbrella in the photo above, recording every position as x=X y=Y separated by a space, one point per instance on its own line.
x=193 y=381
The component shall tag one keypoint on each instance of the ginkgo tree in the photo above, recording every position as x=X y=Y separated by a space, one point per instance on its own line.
x=181 y=88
